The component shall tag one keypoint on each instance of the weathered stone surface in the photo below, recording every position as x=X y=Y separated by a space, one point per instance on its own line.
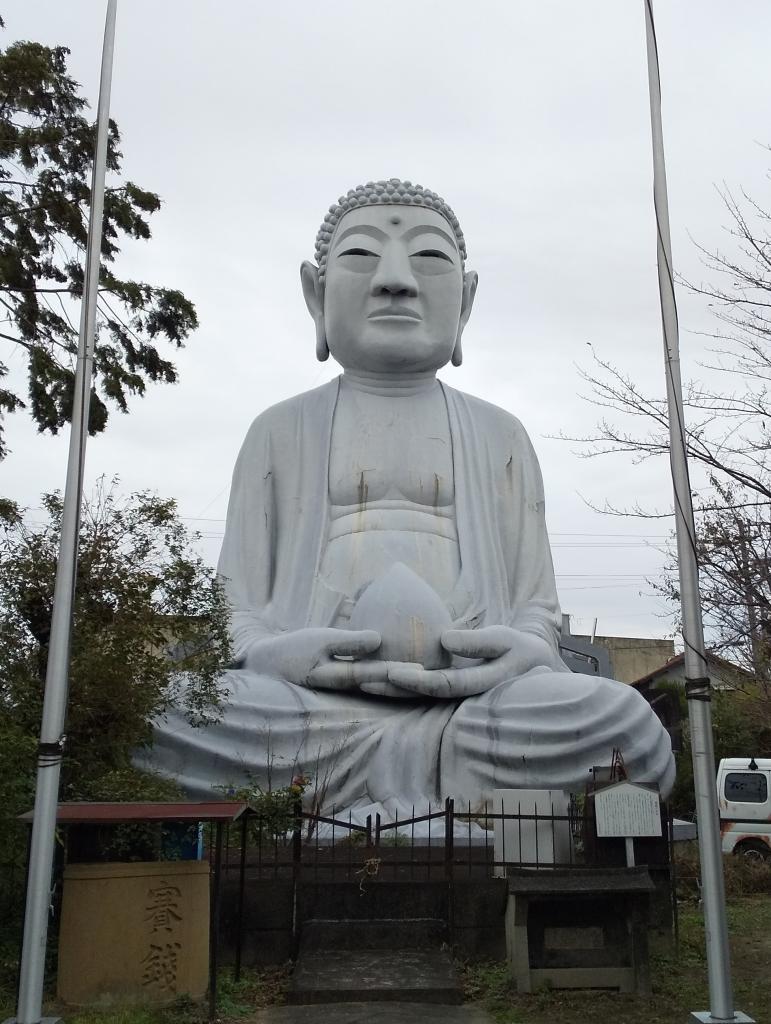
x=395 y=616
x=374 y=901
x=134 y=933
x=320 y=934
x=382 y=975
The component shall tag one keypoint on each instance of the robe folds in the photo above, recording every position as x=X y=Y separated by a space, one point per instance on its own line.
x=545 y=729
x=277 y=521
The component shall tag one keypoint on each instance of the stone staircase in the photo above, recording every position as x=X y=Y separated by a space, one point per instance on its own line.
x=379 y=942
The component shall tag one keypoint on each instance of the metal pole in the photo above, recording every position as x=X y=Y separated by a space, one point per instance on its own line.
x=55 y=700
x=697 y=685
x=214 y=921
x=241 y=883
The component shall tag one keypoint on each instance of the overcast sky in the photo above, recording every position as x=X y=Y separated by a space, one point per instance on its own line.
x=531 y=119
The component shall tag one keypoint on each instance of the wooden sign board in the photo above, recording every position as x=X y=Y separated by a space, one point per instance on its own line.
x=626 y=809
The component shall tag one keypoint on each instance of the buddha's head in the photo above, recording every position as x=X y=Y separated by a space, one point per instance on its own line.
x=390 y=292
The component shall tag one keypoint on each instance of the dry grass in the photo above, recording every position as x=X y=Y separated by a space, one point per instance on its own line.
x=237 y=1001
x=743 y=876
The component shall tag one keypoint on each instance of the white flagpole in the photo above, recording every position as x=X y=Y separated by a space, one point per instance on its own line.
x=697 y=684
x=57 y=673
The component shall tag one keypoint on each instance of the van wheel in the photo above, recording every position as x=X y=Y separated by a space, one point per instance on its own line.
x=755 y=850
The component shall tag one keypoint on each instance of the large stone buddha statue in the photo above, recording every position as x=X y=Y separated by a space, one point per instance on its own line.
x=394 y=612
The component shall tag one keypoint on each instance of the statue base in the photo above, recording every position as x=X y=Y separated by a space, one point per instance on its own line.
x=706 y=1018
x=43 y=1020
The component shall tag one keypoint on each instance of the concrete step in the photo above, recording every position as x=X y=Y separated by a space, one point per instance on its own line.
x=372 y=1013
x=345 y=976
x=320 y=934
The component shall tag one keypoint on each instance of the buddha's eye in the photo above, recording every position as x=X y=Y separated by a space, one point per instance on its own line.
x=431 y=261
x=433 y=252
x=360 y=261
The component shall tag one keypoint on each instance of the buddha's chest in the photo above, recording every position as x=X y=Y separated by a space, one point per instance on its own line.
x=387 y=449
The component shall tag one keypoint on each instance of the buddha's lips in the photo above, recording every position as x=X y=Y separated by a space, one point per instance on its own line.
x=395 y=311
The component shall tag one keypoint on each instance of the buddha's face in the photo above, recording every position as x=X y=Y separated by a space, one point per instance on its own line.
x=394 y=294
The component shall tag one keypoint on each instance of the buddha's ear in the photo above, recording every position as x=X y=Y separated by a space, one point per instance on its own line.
x=470 y=281
x=313 y=292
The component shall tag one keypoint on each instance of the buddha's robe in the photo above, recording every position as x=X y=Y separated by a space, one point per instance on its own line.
x=544 y=729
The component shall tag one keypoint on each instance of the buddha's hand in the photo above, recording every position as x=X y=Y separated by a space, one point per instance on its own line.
x=308 y=657
x=499 y=653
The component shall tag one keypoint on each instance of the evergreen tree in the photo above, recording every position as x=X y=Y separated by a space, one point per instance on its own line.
x=46 y=154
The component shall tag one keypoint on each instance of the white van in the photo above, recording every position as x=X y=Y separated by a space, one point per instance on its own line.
x=744 y=799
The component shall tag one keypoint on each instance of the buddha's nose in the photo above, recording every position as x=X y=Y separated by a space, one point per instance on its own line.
x=394 y=274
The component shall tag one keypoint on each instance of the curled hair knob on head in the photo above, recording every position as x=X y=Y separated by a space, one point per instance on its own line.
x=395 y=192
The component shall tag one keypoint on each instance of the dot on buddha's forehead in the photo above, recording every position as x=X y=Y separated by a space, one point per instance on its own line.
x=395 y=219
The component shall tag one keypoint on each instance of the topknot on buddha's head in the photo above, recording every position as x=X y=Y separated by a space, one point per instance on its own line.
x=392 y=192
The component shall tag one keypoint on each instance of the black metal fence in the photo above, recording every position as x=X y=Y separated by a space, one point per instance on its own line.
x=448 y=841
x=263 y=858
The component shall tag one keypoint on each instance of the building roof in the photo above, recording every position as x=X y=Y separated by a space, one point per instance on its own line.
x=679 y=659
x=82 y=812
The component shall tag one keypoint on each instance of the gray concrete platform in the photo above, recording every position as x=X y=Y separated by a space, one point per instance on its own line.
x=373 y=1013
x=382 y=975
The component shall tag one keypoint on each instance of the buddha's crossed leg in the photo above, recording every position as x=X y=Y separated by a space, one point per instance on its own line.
x=546 y=730
x=367 y=754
